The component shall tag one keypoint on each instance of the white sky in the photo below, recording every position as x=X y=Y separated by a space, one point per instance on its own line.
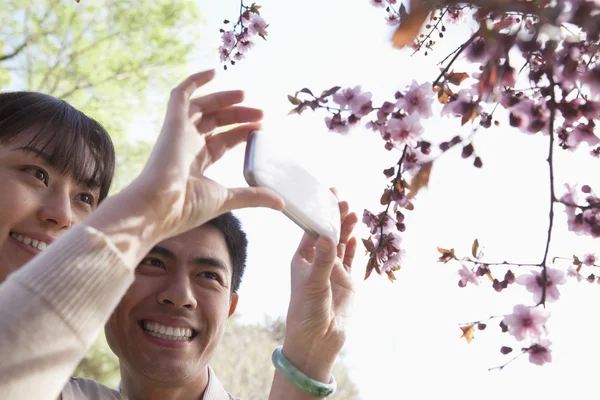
x=404 y=338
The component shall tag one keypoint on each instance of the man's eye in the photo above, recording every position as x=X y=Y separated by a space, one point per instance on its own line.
x=153 y=262
x=38 y=173
x=211 y=275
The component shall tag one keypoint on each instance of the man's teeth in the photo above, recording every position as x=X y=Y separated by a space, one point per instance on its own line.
x=166 y=332
x=36 y=244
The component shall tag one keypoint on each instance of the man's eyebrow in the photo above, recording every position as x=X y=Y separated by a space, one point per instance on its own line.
x=198 y=261
x=38 y=153
x=163 y=252
x=211 y=262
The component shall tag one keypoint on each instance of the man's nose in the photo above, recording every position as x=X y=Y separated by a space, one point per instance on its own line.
x=178 y=293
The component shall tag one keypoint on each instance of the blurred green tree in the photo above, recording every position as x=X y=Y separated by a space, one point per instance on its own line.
x=100 y=56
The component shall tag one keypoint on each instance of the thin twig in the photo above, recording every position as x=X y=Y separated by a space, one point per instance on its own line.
x=460 y=50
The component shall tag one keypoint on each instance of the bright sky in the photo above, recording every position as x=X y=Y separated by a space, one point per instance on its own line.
x=404 y=338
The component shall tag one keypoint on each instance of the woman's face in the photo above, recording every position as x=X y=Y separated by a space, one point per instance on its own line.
x=37 y=204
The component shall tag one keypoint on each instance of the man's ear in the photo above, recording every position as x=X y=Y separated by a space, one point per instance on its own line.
x=233 y=303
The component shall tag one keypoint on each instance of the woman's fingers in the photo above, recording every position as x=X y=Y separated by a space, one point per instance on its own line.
x=217 y=145
x=185 y=89
x=216 y=101
x=228 y=116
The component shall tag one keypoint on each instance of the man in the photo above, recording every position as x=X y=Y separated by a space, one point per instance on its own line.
x=170 y=321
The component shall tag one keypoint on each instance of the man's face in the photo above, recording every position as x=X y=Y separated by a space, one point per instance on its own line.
x=171 y=319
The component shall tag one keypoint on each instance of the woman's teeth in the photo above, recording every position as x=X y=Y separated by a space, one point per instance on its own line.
x=36 y=244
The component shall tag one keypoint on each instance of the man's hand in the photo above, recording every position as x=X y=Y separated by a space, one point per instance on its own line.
x=321 y=298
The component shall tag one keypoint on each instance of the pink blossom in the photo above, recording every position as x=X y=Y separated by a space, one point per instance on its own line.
x=403 y=131
x=244 y=46
x=369 y=220
x=413 y=160
x=417 y=99
x=540 y=353
x=593 y=80
x=534 y=283
x=378 y=3
x=246 y=19
x=256 y=25
x=529 y=116
x=238 y=56
x=392 y=263
x=467 y=275
x=582 y=133
x=455 y=16
x=589 y=259
x=389 y=260
x=352 y=98
x=224 y=53
x=573 y=273
x=228 y=39
x=456 y=108
x=392 y=19
x=336 y=124
x=526 y=321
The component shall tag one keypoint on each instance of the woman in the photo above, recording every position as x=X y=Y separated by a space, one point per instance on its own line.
x=56 y=166
x=53 y=308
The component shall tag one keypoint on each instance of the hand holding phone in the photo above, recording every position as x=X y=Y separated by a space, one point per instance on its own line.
x=309 y=203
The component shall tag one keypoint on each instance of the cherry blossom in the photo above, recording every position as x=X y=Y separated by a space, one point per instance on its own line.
x=589 y=259
x=467 y=275
x=353 y=99
x=256 y=25
x=336 y=124
x=403 y=131
x=457 y=107
x=526 y=321
x=534 y=283
x=573 y=273
x=224 y=53
x=228 y=39
x=540 y=353
x=417 y=99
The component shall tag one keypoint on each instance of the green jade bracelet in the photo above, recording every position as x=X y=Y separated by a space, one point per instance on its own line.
x=301 y=381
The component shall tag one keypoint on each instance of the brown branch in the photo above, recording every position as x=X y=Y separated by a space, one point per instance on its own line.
x=552 y=105
x=430 y=32
x=460 y=50
x=15 y=52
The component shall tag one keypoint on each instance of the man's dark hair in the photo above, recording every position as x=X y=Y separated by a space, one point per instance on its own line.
x=237 y=244
x=78 y=144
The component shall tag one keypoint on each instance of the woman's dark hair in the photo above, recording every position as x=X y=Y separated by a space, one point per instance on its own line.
x=74 y=143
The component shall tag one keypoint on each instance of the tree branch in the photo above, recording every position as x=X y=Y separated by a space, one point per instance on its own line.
x=15 y=52
x=552 y=105
x=458 y=52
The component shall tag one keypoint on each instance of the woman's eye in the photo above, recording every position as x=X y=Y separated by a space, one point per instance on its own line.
x=38 y=173
x=86 y=198
x=154 y=262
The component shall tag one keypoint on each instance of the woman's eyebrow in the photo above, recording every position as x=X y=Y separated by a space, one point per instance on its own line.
x=37 y=152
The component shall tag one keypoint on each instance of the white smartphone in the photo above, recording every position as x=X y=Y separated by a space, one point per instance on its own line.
x=309 y=203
